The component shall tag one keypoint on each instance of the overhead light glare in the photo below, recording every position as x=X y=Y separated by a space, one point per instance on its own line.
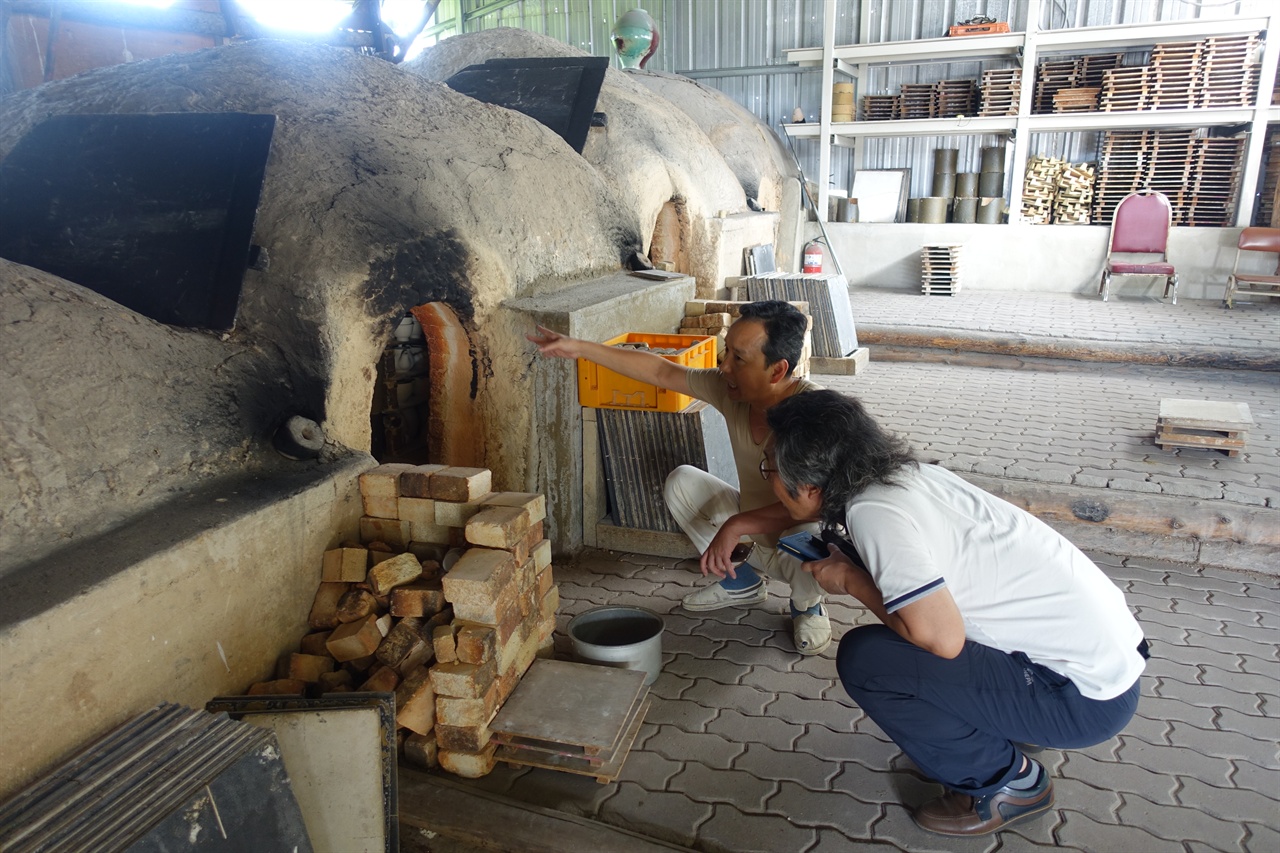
x=298 y=16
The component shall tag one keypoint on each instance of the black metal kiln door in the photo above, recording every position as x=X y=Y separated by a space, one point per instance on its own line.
x=153 y=211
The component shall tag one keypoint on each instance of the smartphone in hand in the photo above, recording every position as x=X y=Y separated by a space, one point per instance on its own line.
x=804 y=546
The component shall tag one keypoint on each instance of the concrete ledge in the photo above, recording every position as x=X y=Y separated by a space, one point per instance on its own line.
x=852 y=364
x=899 y=343
x=1213 y=533
x=655 y=543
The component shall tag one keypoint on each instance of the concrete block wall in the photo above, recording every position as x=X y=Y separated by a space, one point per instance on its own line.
x=1036 y=258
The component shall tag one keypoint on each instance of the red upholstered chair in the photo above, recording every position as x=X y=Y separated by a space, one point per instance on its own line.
x=1254 y=240
x=1140 y=227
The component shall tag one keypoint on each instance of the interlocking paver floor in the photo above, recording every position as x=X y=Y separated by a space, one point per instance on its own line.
x=750 y=747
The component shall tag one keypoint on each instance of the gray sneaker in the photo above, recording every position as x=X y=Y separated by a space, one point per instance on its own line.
x=715 y=596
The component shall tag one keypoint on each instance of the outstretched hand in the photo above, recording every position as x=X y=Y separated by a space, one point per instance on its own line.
x=553 y=343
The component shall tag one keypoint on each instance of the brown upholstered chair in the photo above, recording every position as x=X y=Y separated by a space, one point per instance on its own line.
x=1254 y=240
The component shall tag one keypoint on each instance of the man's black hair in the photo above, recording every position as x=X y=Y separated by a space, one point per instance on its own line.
x=828 y=440
x=784 y=328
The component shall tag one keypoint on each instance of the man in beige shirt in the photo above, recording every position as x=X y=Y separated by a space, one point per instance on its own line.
x=756 y=371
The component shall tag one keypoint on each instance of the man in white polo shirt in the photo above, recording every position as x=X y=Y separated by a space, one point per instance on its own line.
x=757 y=370
x=996 y=630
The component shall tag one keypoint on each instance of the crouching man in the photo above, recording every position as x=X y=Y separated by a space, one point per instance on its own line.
x=761 y=352
x=997 y=630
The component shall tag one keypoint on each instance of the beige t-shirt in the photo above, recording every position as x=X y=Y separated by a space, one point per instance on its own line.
x=754 y=490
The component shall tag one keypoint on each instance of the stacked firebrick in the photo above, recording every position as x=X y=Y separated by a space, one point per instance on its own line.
x=445 y=601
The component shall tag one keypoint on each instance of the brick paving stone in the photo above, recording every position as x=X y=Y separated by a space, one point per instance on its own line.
x=1126 y=485
x=1262 y=837
x=1240 y=682
x=1266 y=589
x=750 y=634
x=769 y=730
x=1178 y=823
x=714 y=669
x=1196 y=655
x=1080 y=830
x=1234 y=645
x=1100 y=804
x=649 y=769
x=682 y=713
x=896 y=828
x=732 y=831
x=1228 y=744
x=695 y=645
x=1171 y=761
x=1124 y=776
x=658 y=814
x=1167 y=710
x=877 y=786
x=736 y=787
x=1183 y=620
x=1164 y=588
x=749 y=700
x=669 y=685
x=877 y=753
x=1236 y=600
x=1208 y=696
x=1163 y=667
x=1269 y=706
x=1261 y=666
x=800 y=767
x=1251 y=777
x=1269 y=620
x=1232 y=804
x=797 y=710
x=1141 y=601
x=1151 y=730
x=773 y=681
x=852 y=816
x=678 y=745
x=746 y=655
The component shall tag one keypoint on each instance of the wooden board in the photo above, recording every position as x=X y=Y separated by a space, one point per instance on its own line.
x=570 y=703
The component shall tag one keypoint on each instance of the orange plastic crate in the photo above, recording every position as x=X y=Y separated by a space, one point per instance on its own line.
x=601 y=388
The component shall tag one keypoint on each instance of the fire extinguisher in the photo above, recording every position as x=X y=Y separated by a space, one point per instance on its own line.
x=812 y=257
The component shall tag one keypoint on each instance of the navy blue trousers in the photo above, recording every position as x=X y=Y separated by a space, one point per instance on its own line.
x=958 y=719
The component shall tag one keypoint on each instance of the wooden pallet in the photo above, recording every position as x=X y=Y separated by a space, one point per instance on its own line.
x=1001 y=89
x=879 y=107
x=1076 y=100
x=940 y=270
x=1203 y=424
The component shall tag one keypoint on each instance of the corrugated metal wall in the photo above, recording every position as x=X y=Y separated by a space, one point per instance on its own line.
x=737 y=46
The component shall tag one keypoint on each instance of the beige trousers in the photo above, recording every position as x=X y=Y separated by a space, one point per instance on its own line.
x=700 y=503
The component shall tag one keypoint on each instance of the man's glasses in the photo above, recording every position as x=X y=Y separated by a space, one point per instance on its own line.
x=766 y=470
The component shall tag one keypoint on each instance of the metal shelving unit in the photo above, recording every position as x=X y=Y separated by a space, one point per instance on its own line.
x=855 y=61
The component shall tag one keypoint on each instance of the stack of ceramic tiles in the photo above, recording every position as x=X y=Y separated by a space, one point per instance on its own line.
x=940 y=270
x=834 y=335
x=152 y=783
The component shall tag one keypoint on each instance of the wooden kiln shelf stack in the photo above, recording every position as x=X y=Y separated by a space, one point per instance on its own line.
x=1204 y=424
x=940 y=270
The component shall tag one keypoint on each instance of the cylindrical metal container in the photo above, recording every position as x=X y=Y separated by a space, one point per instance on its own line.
x=945 y=159
x=913 y=210
x=812 y=258
x=992 y=159
x=933 y=209
x=966 y=210
x=944 y=184
x=966 y=185
x=990 y=184
x=625 y=637
x=991 y=211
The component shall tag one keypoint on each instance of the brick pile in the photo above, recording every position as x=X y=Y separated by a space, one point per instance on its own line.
x=446 y=600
